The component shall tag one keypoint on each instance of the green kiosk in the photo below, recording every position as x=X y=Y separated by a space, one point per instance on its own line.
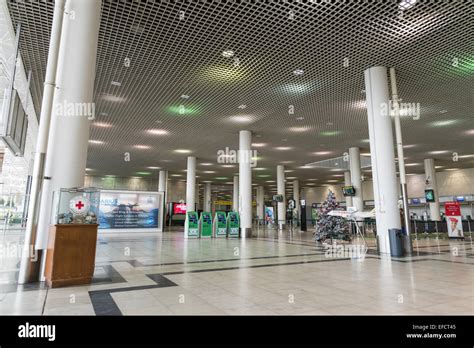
x=205 y=225
x=233 y=224
x=220 y=225
x=191 y=229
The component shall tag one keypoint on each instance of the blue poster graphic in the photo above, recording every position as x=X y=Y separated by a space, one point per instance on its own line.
x=122 y=210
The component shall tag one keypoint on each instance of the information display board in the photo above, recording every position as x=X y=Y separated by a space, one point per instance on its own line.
x=206 y=224
x=233 y=224
x=130 y=210
x=192 y=225
x=220 y=225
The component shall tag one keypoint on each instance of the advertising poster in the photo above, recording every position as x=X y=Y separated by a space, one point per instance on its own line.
x=128 y=210
x=454 y=219
x=269 y=215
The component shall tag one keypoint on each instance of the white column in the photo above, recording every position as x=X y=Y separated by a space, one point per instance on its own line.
x=191 y=184
x=245 y=183
x=296 y=196
x=281 y=191
x=430 y=176
x=354 y=162
x=26 y=271
x=347 y=182
x=207 y=197
x=260 y=202
x=235 y=196
x=69 y=130
x=163 y=181
x=382 y=155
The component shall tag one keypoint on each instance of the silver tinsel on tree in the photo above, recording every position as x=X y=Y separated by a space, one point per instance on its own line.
x=331 y=227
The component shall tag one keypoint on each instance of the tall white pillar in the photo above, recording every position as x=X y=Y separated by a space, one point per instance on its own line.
x=163 y=187
x=281 y=191
x=163 y=181
x=66 y=154
x=382 y=155
x=260 y=202
x=296 y=196
x=28 y=272
x=207 y=197
x=245 y=183
x=347 y=182
x=191 y=184
x=430 y=176
x=354 y=163
x=235 y=196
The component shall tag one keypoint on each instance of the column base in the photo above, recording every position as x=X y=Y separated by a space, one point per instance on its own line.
x=246 y=232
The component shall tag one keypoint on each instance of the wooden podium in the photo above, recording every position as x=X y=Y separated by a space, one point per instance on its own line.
x=70 y=258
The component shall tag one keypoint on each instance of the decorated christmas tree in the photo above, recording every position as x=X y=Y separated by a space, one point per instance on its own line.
x=330 y=227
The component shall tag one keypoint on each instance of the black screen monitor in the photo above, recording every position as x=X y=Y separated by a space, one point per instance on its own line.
x=430 y=196
x=348 y=191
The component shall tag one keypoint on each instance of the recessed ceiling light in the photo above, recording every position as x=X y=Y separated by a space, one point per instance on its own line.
x=228 y=53
x=154 y=167
x=289 y=171
x=313 y=179
x=182 y=151
x=96 y=141
x=450 y=169
x=102 y=124
x=112 y=98
x=264 y=176
x=158 y=131
x=88 y=169
x=298 y=129
x=206 y=164
x=228 y=166
x=408 y=146
x=259 y=144
x=270 y=181
x=443 y=111
x=283 y=148
x=443 y=123
x=470 y=132
x=287 y=162
x=439 y=167
x=412 y=164
x=104 y=114
x=466 y=156
x=298 y=72
x=259 y=169
x=176 y=175
x=243 y=106
x=365 y=140
x=291 y=178
x=142 y=147
x=116 y=83
x=184 y=96
x=438 y=152
x=406 y=4
x=322 y=153
x=209 y=172
x=241 y=118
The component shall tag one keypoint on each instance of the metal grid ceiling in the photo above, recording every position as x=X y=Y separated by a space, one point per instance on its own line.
x=332 y=41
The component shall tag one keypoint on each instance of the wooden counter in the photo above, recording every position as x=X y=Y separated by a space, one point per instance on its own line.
x=70 y=258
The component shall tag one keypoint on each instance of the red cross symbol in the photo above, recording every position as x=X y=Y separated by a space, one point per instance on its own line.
x=79 y=205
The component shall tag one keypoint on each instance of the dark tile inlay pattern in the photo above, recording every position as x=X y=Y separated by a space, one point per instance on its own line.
x=104 y=304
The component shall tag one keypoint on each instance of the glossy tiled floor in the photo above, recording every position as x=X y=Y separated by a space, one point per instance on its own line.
x=272 y=273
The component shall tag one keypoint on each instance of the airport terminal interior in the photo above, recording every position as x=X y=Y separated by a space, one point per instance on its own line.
x=236 y=157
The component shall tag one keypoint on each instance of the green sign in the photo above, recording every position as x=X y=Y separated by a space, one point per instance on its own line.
x=233 y=224
x=192 y=225
x=206 y=225
x=220 y=225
